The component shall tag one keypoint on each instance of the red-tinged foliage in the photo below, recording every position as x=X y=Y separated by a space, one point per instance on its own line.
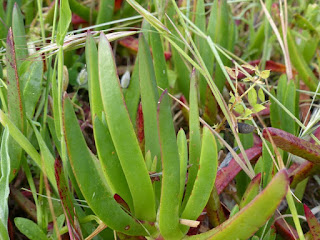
x=316 y=134
x=132 y=44
x=285 y=230
x=299 y=172
x=257 y=140
x=293 y=144
x=117 y=4
x=66 y=201
x=140 y=126
x=184 y=111
x=10 y=229
x=76 y=20
x=313 y=223
x=121 y=201
x=228 y=173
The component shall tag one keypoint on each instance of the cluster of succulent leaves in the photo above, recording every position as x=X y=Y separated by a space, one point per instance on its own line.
x=142 y=178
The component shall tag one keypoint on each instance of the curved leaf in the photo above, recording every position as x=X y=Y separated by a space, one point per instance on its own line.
x=110 y=163
x=293 y=144
x=15 y=103
x=313 y=223
x=91 y=180
x=183 y=153
x=19 y=35
x=254 y=215
x=205 y=178
x=149 y=98
x=228 y=173
x=252 y=191
x=194 y=139
x=32 y=81
x=123 y=135
x=169 y=201
x=96 y=106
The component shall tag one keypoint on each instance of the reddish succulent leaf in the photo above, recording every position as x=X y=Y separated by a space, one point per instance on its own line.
x=210 y=108
x=228 y=173
x=121 y=201
x=285 y=230
x=184 y=111
x=257 y=141
x=77 y=19
x=299 y=172
x=140 y=127
x=293 y=144
x=316 y=134
x=249 y=219
x=66 y=201
x=313 y=223
x=117 y=4
x=132 y=44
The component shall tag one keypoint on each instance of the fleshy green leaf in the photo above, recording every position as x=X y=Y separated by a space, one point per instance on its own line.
x=149 y=98
x=123 y=135
x=110 y=163
x=96 y=191
x=170 y=201
x=254 y=215
x=251 y=191
x=205 y=179
x=194 y=138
